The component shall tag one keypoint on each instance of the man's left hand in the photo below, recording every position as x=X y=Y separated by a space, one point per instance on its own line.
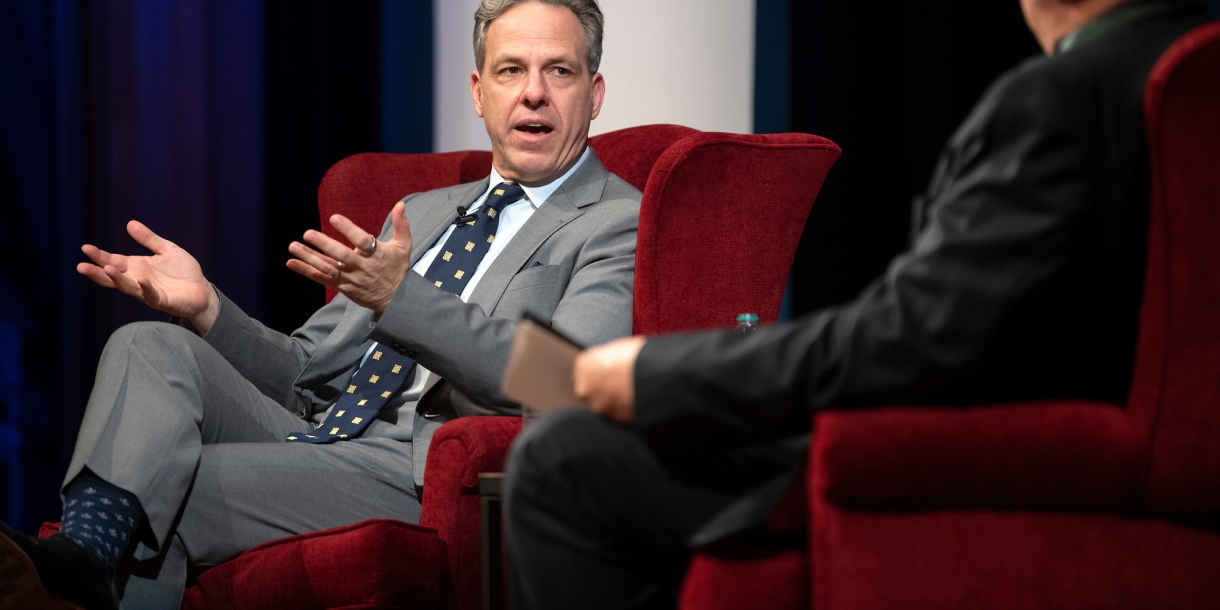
x=604 y=378
x=367 y=272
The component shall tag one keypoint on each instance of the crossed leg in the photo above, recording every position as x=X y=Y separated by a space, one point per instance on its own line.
x=201 y=448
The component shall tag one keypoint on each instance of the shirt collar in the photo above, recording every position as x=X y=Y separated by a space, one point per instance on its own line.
x=1108 y=21
x=537 y=195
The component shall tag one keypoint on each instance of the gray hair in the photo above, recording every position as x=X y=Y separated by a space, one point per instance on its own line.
x=586 y=11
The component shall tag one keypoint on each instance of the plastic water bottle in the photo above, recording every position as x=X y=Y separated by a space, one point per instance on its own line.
x=529 y=416
x=747 y=322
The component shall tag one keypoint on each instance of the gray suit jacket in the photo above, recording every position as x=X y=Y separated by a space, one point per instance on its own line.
x=572 y=263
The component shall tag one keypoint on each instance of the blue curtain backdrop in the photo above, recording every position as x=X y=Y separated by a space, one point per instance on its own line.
x=42 y=184
x=211 y=121
x=111 y=111
x=340 y=78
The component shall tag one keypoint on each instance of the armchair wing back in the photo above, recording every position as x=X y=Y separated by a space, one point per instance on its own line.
x=719 y=224
x=631 y=153
x=1175 y=392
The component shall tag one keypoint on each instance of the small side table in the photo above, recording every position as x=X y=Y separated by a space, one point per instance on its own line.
x=495 y=597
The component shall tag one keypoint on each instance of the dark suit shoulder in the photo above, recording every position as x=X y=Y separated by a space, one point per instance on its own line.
x=1130 y=48
x=1089 y=98
x=1109 y=71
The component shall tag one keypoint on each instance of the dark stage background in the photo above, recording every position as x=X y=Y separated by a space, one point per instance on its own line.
x=213 y=121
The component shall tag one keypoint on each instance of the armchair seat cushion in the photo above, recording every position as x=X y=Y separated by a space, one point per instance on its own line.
x=1066 y=455
x=745 y=577
x=378 y=563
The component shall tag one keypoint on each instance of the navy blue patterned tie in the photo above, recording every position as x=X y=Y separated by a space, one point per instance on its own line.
x=469 y=243
x=383 y=373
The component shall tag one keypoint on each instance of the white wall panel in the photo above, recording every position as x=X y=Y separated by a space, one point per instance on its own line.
x=689 y=62
x=456 y=126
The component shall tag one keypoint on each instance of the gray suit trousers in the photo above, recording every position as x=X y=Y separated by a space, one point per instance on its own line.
x=172 y=422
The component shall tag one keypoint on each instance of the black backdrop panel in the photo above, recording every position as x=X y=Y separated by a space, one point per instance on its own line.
x=888 y=81
x=323 y=100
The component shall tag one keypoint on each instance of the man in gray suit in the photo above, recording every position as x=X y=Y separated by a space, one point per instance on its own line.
x=185 y=430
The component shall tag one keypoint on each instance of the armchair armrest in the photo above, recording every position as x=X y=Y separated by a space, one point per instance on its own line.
x=1061 y=455
x=460 y=450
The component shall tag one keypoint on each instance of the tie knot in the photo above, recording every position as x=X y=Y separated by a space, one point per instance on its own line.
x=504 y=194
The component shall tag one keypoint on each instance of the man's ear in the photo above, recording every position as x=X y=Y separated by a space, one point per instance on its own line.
x=599 y=94
x=476 y=93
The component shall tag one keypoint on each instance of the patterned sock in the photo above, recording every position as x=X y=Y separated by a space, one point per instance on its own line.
x=100 y=518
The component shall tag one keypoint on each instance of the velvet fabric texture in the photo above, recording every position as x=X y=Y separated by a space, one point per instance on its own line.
x=460 y=450
x=631 y=153
x=746 y=577
x=721 y=217
x=1176 y=386
x=1066 y=456
x=357 y=566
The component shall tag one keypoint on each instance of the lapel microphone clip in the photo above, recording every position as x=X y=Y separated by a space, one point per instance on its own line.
x=464 y=218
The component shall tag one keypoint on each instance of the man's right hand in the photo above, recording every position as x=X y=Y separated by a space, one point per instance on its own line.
x=604 y=378
x=170 y=280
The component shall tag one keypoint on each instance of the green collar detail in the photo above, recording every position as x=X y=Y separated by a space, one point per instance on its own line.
x=1104 y=24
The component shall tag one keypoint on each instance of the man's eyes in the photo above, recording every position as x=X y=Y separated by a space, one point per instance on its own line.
x=517 y=71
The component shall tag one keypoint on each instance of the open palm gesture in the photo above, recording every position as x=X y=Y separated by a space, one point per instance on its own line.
x=368 y=271
x=170 y=280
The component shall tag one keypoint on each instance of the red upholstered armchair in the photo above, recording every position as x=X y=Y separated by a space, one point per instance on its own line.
x=1045 y=505
x=700 y=261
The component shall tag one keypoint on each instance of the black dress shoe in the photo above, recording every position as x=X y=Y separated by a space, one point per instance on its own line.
x=49 y=574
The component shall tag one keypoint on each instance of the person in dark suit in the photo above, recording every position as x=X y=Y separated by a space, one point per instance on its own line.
x=1023 y=282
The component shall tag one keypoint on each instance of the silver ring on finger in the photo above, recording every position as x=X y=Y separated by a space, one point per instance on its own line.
x=372 y=247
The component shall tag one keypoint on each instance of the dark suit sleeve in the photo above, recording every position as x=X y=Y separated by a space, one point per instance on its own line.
x=1008 y=195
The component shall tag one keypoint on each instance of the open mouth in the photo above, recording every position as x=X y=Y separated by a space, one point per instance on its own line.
x=534 y=128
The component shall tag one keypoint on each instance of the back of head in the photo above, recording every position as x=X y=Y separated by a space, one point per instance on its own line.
x=1051 y=20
